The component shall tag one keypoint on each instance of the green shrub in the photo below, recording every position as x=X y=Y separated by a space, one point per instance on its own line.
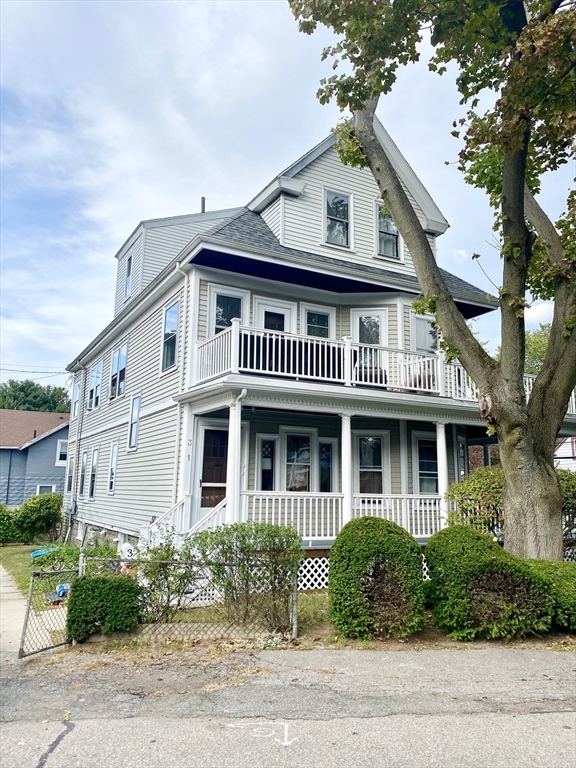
x=8 y=530
x=479 y=500
x=38 y=516
x=561 y=579
x=253 y=566
x=102 y=604
x=479 y=590
x=375 y=580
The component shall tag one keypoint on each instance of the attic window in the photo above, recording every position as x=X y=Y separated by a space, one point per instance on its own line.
x=128 y=284
x=387 y=236
x=338 y=219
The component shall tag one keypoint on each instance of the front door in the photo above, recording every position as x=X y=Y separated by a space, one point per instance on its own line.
x=213 y=472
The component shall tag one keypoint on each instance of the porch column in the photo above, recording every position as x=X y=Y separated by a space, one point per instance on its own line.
x=442 y=456
x=233 y=464
x=346 y=468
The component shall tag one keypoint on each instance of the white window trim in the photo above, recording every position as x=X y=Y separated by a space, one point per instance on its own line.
x=413 y=317
x=82 y=493
x=346 y=248
x=45 y=485
x=226 y=290
x=357 y=313
x=263 y=304
x=112 y=465
x=260 y=437
x=322 y=309
x=128 y=288
x=89 y=473
x=130 y=449
x=416 y=436
x=69 y=478
x=76 y=392
x=92 y=367
x=384 y=434
x=115 y=349
x=58 y=462
x=167 y=306
x=283 y=432
x=335 y=462
x=377 y=255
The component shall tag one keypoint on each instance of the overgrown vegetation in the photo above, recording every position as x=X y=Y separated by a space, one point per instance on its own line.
x=479 y=590
x=253 y=566
x=17 y=561
x=480 y=504
x=63 y=556
x=102 y=604
x=375 y=580
x=38 y=516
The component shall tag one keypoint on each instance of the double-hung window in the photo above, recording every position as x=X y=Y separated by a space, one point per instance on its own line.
x=134 y=423
x=95 y=385
x=118 y=371
x=388 y=240
x=425 y=336
x=76 y=399
x=170 y=336
x=298 y=462
x=70 y=476
x=112 y=466
x=93 y=470
x=61 y=453
x=338 y=219
x=82 y=480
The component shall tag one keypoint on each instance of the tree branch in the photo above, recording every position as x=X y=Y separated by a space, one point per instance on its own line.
x=542 y=224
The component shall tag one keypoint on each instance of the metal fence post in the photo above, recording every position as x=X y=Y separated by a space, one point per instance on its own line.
x=294 y=606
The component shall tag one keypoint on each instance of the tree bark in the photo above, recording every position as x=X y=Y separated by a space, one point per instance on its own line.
x=526 y=433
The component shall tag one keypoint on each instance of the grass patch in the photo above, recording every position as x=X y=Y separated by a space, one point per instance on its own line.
x=17 y=561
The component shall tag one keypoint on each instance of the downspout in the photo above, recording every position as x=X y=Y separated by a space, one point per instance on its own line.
x=186 y=276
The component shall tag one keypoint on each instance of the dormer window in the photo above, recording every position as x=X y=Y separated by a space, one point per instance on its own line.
x=128 y=283
x=338 y=219
x=388 y=245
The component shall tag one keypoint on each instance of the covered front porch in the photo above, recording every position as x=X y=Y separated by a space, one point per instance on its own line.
x=288 y=461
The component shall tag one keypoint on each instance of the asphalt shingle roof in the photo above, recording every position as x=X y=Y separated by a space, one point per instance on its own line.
x=19 y=427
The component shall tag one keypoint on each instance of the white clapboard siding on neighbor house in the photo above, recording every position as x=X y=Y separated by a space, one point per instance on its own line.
x=304 y=215
x=273 y=217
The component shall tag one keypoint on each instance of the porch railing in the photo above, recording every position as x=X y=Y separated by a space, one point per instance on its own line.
x=313 y=516
x=177 y=518
x=212 y=519
x=242 y=349
x=419 y=515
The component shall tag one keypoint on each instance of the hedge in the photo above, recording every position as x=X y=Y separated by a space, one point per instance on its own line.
x=561 y=579
x=479 y=590
x=38 y=516
x=102 y=604
x=375 y=581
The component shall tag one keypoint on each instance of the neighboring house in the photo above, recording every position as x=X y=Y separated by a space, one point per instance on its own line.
x=565 y=454
x=266 y=363
x=33 y=454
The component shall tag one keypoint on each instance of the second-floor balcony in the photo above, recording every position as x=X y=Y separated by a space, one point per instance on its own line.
x=261 y=352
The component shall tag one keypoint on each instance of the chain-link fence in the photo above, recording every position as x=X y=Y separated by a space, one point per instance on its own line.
x=46 y=611
x=190 y=600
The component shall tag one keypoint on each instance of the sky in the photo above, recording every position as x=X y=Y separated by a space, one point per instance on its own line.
x=114 y=112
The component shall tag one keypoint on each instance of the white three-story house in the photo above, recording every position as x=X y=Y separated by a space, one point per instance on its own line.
x=266 y=363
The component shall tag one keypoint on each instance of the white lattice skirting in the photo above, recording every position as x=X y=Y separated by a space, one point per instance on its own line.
x=313 y=573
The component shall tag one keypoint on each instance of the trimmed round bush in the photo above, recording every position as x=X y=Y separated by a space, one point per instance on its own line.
x=479 y=590
x=561 y=579
x=38 y=516
x=375 y=581
x=102 y=604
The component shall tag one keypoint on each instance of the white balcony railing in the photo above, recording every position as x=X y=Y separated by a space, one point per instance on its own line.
x=313 y=516
x=241 y=349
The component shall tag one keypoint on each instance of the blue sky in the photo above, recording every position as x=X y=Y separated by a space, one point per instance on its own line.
x=114 y=112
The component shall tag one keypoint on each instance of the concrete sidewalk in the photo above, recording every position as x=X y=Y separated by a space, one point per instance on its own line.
x=12 y=610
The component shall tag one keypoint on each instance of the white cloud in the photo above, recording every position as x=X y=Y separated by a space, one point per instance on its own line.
x=539 y=312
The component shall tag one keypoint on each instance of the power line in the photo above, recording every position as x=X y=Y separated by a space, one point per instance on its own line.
x=53 y=372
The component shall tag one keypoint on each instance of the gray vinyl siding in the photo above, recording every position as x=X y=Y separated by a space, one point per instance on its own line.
x=304 y=215
x=135 y=251
x=165 y=241
x=273 y=217
x=144 y=478
x=203 y=310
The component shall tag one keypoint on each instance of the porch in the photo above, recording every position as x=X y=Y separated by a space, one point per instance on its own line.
x=317 y=518
x=256 y=351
